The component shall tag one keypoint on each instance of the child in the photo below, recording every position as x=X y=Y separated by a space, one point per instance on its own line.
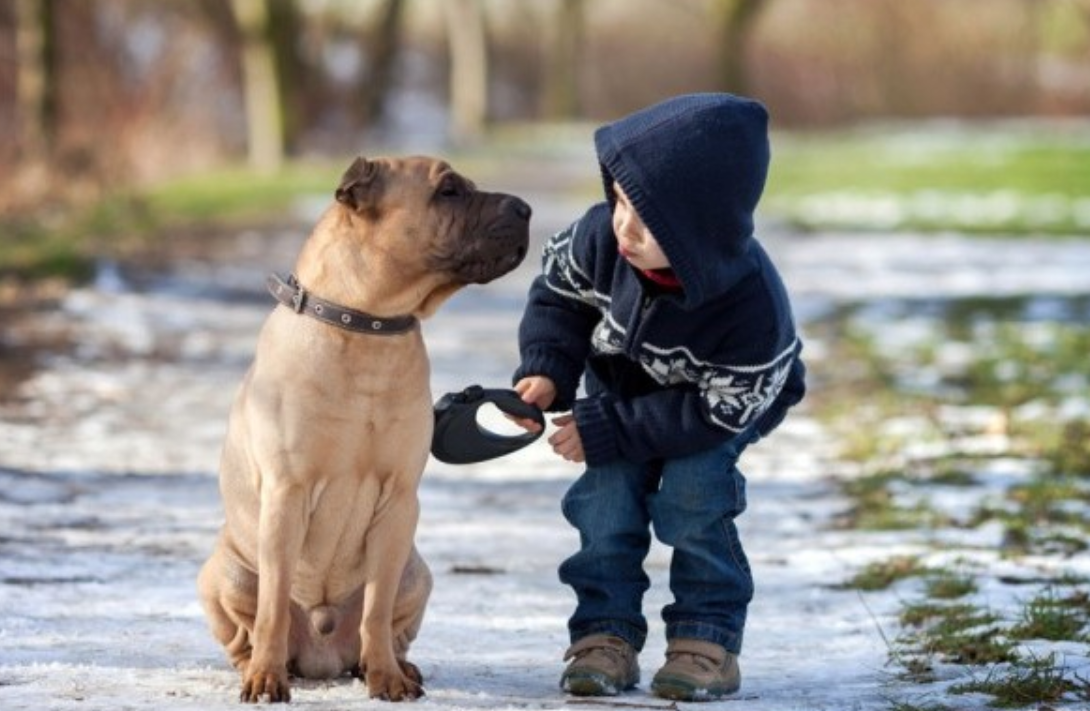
x=662 y=299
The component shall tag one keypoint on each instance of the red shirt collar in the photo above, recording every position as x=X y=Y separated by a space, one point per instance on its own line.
x=664 y=278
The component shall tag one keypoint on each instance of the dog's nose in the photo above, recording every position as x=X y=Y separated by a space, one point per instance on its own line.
x=518 y=206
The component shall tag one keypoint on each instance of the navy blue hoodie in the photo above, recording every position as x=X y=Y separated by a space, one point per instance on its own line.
x=669 y=372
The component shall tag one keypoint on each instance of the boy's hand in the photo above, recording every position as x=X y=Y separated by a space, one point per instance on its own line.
x=536 y=390
x=566 y=441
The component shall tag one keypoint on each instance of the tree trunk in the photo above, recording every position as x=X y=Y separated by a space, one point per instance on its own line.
x=285 y=26
x=468 y=69
x=736 y=20
x=36 y=80
x=560 y=91
x=261 y=90
x=381 y=51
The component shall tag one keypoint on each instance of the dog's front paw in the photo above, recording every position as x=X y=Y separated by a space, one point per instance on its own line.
x=271 y=685
x=402 y=684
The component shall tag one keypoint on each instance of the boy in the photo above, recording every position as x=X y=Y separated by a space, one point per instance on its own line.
x=665 y=303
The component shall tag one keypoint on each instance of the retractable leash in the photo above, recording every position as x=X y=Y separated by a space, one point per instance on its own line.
x=460 y=439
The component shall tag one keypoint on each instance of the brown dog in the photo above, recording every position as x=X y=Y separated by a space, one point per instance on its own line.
x=315 y=571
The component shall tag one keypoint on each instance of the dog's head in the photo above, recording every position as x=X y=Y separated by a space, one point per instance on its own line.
x=434 y=219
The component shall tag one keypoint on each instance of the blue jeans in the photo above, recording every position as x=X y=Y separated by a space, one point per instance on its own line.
x=691 y=503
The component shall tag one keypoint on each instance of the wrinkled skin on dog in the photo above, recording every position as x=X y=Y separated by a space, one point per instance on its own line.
x=315 y=572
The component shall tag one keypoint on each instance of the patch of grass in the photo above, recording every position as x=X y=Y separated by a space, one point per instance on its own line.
x=997 y=386
x=1037 y=681
x=908 y=158
x=958 y=634
x=947 y=474
x=1016 y=364
x=973 y=179
x=1045 y=499
x=882 y=574
x=946 y=618
x=873 y=505
x=1070 y=453
x=29 y=252
x=1049 y=514
x=960 y=620
x=1026 y=372
x=1051 y=617
x=972 y=648
x=876 y=505
x=920 y=613
x=62 y=241
x=966 y=634
x=238 y=194
x=949 y=586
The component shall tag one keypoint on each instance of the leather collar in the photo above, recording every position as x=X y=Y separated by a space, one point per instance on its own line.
x=291 y=293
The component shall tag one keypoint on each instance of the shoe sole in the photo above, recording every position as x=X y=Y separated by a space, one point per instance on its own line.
x=682 y=690
x=591 y=684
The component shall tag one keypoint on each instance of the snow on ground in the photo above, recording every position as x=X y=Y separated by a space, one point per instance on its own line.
x=108 y=500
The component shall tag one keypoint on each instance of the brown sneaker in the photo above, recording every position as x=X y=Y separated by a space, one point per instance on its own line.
x=603 y=665
x=696 y=670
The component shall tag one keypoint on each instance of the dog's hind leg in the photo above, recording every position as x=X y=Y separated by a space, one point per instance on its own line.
x=229 y=594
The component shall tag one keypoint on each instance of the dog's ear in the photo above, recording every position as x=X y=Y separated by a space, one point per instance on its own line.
x=357 y=185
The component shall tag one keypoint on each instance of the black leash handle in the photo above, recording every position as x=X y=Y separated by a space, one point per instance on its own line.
x=460 y=439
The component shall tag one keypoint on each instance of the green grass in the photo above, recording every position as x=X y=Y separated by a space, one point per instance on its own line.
x=908 y=158
x=980 y=179
x=883 y=574
x=32 y=253
x=239 y=195
x=876 y=507
x=1029 y=378
x=946 y=585
x=942 y=615
x=63 y=243
x=978 y=639
x=1069 y=453
x=1036 y=681
x=1054 y=617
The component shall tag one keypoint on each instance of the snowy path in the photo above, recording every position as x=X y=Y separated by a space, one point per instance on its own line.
x=108 y=504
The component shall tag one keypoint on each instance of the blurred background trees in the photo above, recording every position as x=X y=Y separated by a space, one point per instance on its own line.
x=96 y=94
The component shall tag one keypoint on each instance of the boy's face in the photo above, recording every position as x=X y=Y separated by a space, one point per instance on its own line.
x=634 y=241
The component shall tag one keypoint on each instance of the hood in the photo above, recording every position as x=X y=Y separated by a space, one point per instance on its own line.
x=694 y=167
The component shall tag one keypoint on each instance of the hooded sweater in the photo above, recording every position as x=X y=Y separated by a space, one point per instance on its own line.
x=669 y=372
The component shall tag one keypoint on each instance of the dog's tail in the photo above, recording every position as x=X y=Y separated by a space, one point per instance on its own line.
x=324 y=619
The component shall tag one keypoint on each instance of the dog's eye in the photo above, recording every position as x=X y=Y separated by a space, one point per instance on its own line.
x=451 y=188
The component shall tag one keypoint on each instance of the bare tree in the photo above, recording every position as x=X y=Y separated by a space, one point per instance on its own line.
x=563 y=58
x=468 y=69
x=36 y=84
x=381 y=48
x=261 y=88
x=736 y=19
x=293 y=73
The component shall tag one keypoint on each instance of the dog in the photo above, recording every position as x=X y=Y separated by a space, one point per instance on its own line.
x=315 y=572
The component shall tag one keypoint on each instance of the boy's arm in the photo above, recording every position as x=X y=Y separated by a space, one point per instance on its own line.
x=680 y=420
x=561 y=312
